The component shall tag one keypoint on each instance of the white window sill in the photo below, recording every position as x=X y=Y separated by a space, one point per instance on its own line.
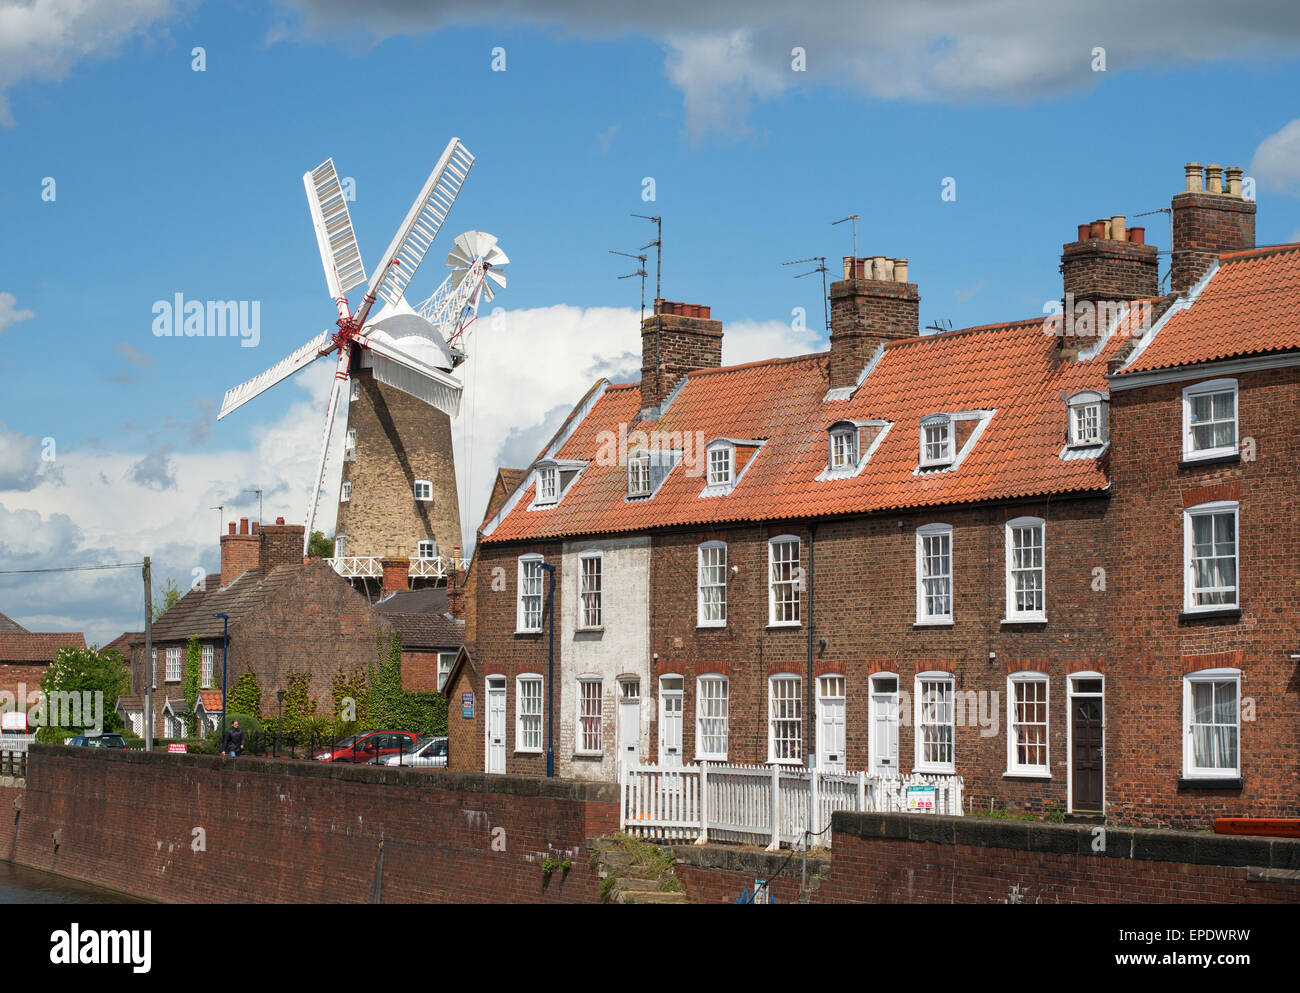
x=710 y=758
x=1210 y=608
x=1024 y=619
x=1213 y=774
x=930 y=622
x=785 y=624
x=528 y=630
x=1210 y=453
x=586 y=630
x=787 y=763
x=1026 y=774
x=711 y=624
x=935 y=770
x=588 y=755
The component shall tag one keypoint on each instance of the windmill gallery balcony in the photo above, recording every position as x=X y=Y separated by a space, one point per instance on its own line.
x=371 y=567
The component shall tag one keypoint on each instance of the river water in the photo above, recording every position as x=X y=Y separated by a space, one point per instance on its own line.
x=21 y=885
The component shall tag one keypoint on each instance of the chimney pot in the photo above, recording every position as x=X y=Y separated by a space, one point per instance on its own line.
x=1085 y=230
x=243 y=525
x=878 y=267
x=279 y=520
x=1194 y=181
x=252 y=527
x=900 y=270
x=1097 y=229
x=1234 y=174
x=1214 y=178
x=1207 y=223
x=232 y=527
x=1137 y=236
x=1117 y=227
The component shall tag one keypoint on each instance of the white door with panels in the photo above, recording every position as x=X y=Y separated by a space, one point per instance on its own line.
x=629 y=721
x=496 y=724
x=884 y=725
x=830 y=724
x=670 y=720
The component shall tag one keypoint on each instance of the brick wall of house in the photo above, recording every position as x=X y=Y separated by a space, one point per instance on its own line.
x=1156 y=647
x=399 y=439
x=27 y=675
x=301 y=831
x=465 y=734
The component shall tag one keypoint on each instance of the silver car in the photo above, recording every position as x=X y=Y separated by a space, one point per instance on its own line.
x=429 y=753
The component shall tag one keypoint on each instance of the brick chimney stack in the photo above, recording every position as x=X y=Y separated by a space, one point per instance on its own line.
x=873 y=304
x=281 y=544
x=1208 y=219
x=239 y=551
x=1110 y=262
x=397 y=574
x=680 y=338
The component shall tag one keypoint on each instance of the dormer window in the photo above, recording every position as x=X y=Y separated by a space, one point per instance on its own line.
x=844 y=447
x=1087 y=412
x=548 y=485
x=423 y=490
x=936 y=441
x=345 y=493
x=721 y=465
x=638 y=475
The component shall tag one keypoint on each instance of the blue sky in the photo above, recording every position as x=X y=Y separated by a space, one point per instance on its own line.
x=172 y=181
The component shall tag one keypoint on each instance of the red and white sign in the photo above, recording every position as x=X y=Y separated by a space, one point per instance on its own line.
x=14 y=720
x=176 y=746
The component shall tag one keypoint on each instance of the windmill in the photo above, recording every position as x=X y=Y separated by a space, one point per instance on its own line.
x=410 y=351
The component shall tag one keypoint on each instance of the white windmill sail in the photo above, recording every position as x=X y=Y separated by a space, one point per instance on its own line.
x=238 y=395
x=336 y=390
x=395 y=366
x=411 y=243
x=339 y=254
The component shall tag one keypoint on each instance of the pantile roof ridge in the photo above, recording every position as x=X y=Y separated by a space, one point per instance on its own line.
x=1260 y=252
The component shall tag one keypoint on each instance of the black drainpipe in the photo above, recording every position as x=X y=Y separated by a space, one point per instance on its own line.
x=812 y=712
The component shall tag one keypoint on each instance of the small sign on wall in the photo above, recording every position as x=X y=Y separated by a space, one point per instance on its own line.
x=177 y=747
x=467 y=706
x=921 y=798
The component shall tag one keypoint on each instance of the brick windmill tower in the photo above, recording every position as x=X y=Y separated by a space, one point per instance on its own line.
x=397 y=495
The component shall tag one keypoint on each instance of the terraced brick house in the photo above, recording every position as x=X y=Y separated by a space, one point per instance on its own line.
x=1006 y=552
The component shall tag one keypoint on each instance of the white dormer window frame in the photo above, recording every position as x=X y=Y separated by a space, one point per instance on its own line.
x=1210 y=420
x=842 y=453
x=721 y=465
x=1087 y=411
x=548 y=485
x=345 y=492
x=638 y=475
x=938 y=441
x=423 y=490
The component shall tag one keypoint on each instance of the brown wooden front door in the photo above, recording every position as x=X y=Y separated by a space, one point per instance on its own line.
x=1086 y=734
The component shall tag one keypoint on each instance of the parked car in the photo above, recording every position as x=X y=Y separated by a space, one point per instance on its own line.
x=429 y=752
x=106 y=740
x=369 y=745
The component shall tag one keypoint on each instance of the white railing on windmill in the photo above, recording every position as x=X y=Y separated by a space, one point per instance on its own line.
x=409 y=351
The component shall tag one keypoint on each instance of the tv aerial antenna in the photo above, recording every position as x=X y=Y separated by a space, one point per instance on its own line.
x=854 y=219
x=820 y=267
x=258 y=490
x=658 y=246
x=640 y=271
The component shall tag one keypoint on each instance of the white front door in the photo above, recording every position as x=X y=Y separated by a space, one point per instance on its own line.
x=629 y=721
x=496 y=724
x=830 y=724
x=670 y=720
x=884 y=725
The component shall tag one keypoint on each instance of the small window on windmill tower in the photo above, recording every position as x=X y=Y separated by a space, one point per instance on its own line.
x=356 y=389
x=427 y=549
x=423 y=490
x=350 y=445
x=346 y=493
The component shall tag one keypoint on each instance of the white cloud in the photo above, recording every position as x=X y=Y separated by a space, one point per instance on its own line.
x=725 y=54
x=9 y=314
x=1276 y=164
x=44 y=39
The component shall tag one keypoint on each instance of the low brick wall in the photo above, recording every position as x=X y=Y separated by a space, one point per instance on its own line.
x=273 y=831
x=721 y=873
x=909 y=858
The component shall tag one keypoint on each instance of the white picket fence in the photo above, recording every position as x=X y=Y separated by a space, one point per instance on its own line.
x=771 y=805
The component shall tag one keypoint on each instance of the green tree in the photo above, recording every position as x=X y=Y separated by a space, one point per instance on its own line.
x=319 y=546
x=104 y=675
x=165 y=599
x=246 y=697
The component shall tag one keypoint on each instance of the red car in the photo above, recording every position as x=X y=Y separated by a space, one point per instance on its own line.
x=369 y=745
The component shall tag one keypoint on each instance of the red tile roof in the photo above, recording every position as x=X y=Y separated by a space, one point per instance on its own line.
x=9 y=625
x=36 y=646
x=1010 y=369
x=1251 y=306
x=211 y=700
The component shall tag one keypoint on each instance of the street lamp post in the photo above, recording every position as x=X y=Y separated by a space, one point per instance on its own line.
x=225 y=653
